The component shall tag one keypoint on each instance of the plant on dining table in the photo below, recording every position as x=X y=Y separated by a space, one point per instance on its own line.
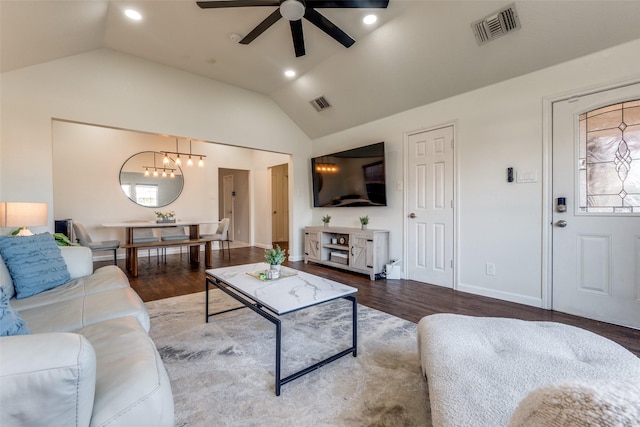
x=165 y=214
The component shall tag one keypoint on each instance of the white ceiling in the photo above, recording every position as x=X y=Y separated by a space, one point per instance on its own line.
x=418 y=52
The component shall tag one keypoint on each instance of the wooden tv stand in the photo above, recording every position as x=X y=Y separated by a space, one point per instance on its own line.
x=362 y=251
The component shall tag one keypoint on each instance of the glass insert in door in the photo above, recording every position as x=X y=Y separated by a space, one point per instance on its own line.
x=609 y=159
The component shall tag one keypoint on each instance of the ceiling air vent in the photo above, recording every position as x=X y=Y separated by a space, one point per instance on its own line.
x=320 y=103
x=497 y=24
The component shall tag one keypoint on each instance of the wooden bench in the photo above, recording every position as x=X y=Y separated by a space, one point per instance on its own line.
x=194 y=244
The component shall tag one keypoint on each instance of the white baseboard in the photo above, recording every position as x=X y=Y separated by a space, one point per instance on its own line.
x=501 y=295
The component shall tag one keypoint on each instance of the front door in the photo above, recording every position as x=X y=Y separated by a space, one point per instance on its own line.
x=430 y=206
x=596 y=218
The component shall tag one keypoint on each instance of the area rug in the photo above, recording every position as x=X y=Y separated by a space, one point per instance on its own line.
x=222 y=372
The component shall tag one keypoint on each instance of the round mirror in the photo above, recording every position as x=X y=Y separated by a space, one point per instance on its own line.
x=148 y=181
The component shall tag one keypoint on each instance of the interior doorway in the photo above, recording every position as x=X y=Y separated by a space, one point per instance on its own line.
x=280 y=205
x=430 y=207
x=235 y=203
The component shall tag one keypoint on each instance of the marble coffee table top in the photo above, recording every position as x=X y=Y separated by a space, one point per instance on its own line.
x=283 y=295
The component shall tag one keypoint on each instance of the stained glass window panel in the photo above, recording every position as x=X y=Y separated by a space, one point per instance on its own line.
x=609 y=159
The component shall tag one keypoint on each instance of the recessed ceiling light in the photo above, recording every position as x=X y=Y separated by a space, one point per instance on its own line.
x=290 y=73
x=133 y=14
x=370 y=19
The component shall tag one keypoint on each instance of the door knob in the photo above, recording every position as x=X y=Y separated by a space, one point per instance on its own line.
x=412 y=215
x=562 y=223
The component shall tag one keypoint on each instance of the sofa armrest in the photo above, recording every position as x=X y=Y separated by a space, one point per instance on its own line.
x=79 y=260
x=47 y=380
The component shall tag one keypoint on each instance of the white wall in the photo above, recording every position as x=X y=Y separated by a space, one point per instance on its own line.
x=117 y=90
x=497 y=127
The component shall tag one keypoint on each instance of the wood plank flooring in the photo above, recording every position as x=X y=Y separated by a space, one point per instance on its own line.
x=406 y=299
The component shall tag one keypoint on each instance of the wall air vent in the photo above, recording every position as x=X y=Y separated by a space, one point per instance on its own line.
x=320 y=103
x=496 y=25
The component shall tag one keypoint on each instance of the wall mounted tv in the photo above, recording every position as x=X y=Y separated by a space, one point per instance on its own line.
x=350 y=178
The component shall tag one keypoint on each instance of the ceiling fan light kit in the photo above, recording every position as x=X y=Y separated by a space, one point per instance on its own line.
x=294 y=11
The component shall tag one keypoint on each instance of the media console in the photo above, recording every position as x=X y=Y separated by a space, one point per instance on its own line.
x=362 y=251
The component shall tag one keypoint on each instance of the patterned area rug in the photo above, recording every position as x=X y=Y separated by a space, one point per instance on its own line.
x=222 y=372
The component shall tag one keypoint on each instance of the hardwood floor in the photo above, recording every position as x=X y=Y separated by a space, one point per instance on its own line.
x=406 y=299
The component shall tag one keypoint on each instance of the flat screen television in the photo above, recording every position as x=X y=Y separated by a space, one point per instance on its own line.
x=350 y=178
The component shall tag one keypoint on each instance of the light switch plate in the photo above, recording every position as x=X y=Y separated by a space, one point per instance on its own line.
x=527 y=177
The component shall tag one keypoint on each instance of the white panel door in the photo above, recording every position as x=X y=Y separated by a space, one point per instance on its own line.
x=596 y=240
x=430 y=207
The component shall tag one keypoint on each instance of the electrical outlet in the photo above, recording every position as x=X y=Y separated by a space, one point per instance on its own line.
x=490 y=269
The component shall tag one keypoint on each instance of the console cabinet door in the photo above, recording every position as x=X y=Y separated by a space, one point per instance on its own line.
x=360 y=256
x=312 y=246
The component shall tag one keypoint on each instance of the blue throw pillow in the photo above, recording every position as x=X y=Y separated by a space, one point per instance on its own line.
x=10 y=321
x=34 y=262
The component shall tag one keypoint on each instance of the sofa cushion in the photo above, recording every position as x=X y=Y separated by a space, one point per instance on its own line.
x=132 y=386
x=10 y=321
x=47 y=380
x=34 y=262
x=68 y=315
x=104 y=279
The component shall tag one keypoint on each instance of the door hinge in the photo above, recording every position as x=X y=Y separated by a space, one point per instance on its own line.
x=451 y=263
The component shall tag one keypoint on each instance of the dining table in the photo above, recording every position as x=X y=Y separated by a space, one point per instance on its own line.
x=194 y=235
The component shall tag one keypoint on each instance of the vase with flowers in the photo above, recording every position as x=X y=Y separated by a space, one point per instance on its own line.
x=165 y=217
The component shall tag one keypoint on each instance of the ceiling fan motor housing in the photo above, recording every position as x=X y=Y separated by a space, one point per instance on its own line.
x=292 y=10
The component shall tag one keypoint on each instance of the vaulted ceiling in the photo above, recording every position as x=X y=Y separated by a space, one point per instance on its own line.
x=419 y=51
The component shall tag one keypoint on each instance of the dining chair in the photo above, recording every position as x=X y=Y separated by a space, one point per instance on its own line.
x=105 y=245
x=221 y=235
x=145 y=235
x=173 y=234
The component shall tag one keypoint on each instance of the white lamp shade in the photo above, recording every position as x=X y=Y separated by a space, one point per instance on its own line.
x=20 y=214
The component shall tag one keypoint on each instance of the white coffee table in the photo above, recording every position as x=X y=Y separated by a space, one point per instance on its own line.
x=272 y=298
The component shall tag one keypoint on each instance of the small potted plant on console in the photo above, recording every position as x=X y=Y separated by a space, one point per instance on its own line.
x=274 y=257
x=326 y=219
x=364 y=220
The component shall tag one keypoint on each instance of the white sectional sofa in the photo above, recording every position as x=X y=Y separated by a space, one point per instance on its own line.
x=88 y=360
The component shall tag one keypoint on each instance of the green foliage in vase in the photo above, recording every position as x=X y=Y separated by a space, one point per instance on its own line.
x=275 y=256
x=326 y=219
x=364 y=220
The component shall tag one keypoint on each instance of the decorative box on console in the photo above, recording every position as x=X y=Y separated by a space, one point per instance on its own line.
x=340 y=257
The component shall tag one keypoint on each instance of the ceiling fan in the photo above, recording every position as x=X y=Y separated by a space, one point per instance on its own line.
x=294 y=11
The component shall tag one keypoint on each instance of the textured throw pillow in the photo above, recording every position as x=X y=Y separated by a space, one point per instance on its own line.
x=580 y=404
x=10 y=321
x=34 y=262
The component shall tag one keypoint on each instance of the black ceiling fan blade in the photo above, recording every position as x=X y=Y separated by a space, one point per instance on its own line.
x=328 y=27
x=298 y=37
x=236 y=3
x=262 y=27
x=363 y=4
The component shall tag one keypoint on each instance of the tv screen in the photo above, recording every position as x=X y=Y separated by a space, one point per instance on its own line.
x=350 y=178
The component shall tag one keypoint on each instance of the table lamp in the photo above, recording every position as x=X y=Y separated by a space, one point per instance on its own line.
x=22 y=214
